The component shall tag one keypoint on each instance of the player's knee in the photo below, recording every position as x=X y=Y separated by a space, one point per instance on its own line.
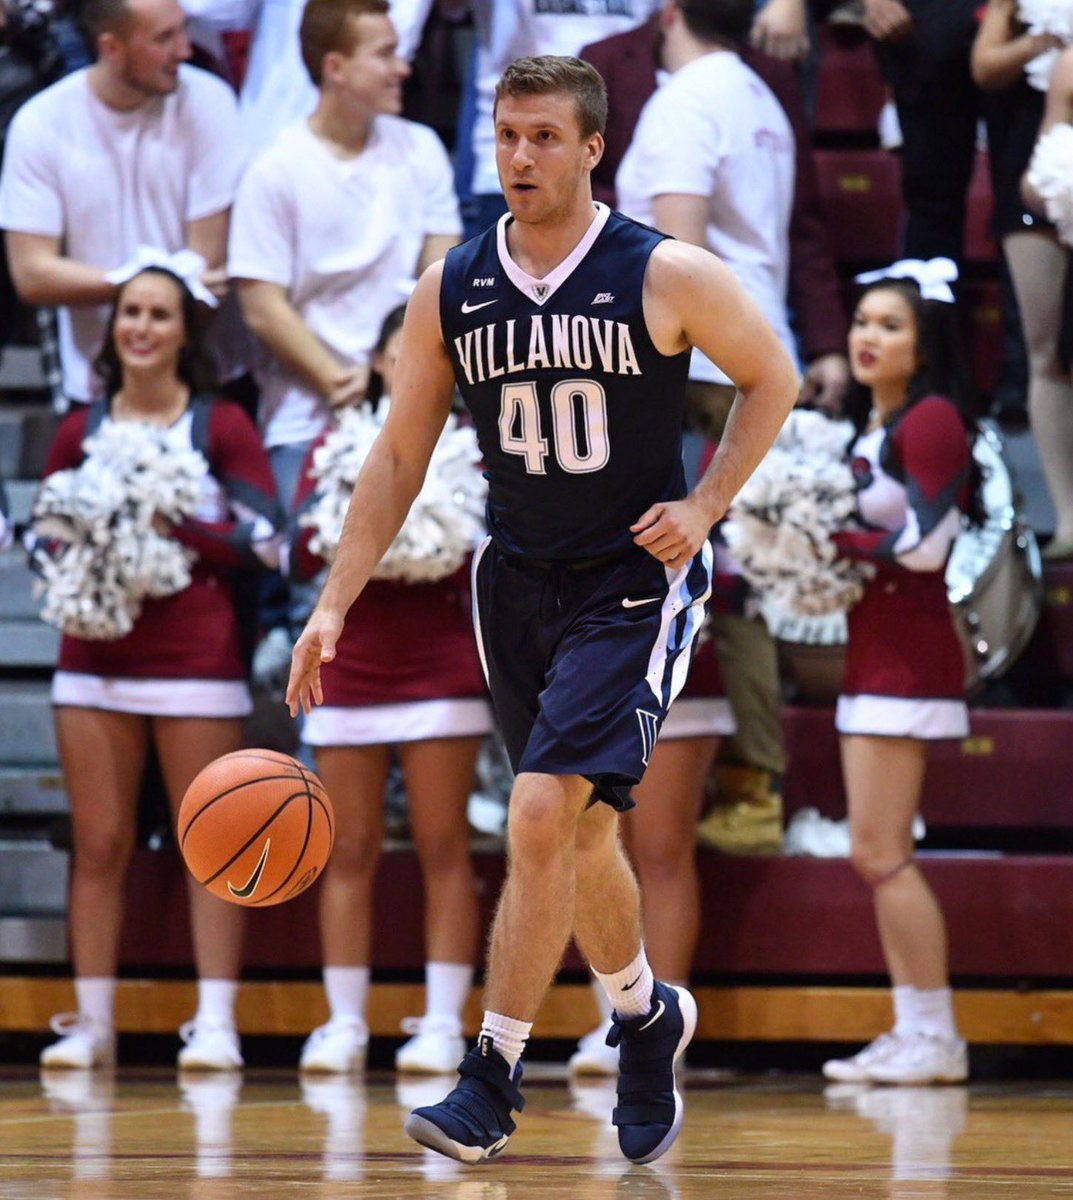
x=537 y=824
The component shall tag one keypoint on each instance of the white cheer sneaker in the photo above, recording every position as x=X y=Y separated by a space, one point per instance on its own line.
x=436 y=1048
x=83 y=1043
x=922 y=1059
x=857 y=1069
x=593 y=1055
x=336 y=1048
x=209 y=1046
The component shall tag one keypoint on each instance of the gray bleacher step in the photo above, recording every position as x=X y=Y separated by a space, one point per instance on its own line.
x=17 y=599
x=28 y=643
x=20 y=369
x=27 y=735
x=26 y=432
x=38 y=938
x=35 y=877
x=20 y=498
x=32 y=789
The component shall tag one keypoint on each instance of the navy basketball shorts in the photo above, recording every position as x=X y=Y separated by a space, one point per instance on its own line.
x=583 y=661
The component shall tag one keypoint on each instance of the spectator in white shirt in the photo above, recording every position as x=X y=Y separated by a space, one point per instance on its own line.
x=137 y=149
x=277 y=89
x=332 y=222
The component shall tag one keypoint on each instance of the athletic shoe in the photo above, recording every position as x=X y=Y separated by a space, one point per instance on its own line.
x=857 y=1068
x=435 y=1048
x=593 y=1055
x=650 y=1110
x=210 y=1046
x=336 y=1048
x=922 y=1059
x=83 y=1043
x=473 y=1121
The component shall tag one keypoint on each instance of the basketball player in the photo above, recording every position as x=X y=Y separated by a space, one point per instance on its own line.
x=568 y=330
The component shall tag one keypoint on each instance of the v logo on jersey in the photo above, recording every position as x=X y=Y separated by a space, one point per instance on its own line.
x=250 y=886
x=540 y=291
x=649 y=722
x=468 y=308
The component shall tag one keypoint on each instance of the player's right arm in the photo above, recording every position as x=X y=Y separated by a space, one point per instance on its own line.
x=387 y=485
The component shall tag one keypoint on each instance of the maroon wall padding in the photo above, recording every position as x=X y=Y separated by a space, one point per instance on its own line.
x=850 y=90
x=1050 y=653
x=1013 y=771
x=861 y=193
x=984 y=332
x=980 y=245
x=1009 y=917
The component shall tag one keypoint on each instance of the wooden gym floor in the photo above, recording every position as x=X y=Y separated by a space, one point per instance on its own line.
x=143 y=1134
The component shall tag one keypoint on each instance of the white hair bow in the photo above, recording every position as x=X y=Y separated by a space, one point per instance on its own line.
x=188 y=265
x=933 y=276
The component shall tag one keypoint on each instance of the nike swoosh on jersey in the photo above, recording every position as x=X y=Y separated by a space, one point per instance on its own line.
x=250 y=886
x=468 y=308
x=652 y=1020
x=638 y=603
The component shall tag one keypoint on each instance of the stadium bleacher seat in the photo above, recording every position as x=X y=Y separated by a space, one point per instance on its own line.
x=850 y=89
x=861 y=192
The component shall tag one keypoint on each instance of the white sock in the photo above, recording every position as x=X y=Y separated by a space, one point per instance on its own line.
x=630 y=990
x=446 y=991
x=508 y=1035
x=96 y=999
x=216 y=1001
x=927 y=1011
x=347 y=989
x=603 y=1003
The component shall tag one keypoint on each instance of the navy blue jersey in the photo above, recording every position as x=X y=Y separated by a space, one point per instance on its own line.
x=578 y=415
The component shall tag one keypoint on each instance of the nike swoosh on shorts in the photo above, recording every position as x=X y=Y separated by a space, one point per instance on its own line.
x=638 y=603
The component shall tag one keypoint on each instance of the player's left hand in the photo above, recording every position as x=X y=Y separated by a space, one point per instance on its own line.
x=672 y=531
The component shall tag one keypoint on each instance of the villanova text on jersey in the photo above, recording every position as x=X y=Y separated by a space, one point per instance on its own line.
x=578 y=415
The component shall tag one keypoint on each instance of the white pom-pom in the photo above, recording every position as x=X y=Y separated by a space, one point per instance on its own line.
x=1053 y=17
x=779 y=528
x=108 y=555
x=1051 y=174
x=445 y=522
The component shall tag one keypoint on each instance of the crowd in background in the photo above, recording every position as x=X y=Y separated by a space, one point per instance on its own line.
x=313 y=202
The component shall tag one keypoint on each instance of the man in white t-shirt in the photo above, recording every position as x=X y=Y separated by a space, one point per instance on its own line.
x=138 y=149
x=712 y=162
x=277 y=89
x=332 y=223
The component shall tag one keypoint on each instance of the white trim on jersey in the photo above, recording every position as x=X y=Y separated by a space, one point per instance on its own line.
x=389 y=724
x=153 y=697
x=678 y=600
x=540 y=291
x=902 y=716
x=478 y=554
x=697 y=717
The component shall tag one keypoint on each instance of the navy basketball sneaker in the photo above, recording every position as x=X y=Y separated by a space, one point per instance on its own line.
x=650 y=1110
x=473 y=1121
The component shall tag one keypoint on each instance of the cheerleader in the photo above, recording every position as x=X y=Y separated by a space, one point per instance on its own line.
x=905 y=669
x=406 y=679
x=177 y=678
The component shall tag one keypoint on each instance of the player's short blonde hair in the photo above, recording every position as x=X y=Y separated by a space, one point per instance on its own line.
x=328 y=25
x=552 y=74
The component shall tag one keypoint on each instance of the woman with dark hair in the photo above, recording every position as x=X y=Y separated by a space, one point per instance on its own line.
x=177 y=678
x=916 y=478
x=406 y=679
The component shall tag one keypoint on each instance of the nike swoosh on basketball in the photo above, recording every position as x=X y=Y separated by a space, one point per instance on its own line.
x=250 y=886
x=638 y=603
x=652 y=1020
x=468 y=308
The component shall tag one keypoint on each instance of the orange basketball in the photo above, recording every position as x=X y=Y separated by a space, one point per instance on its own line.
x=256 y=827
